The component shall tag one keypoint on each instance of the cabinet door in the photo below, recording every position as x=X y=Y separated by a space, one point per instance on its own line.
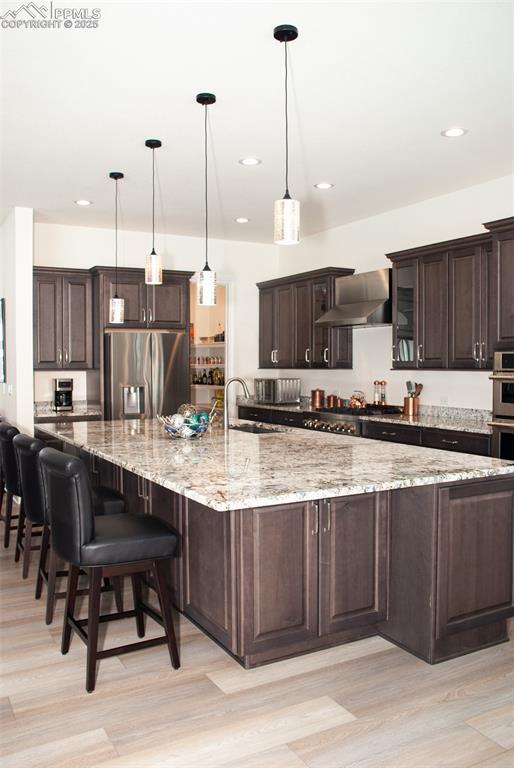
x=133 y=290
x=488 y=308
x=280 y=576
x=266 y=328
x=48 y=353
x=353 y=562
x=433 y=312
x=168 y=304
x=321 y=301
x=284 y=324
x=209 y=578
x=302 y=326
x=136 y=492
x=341 y=347
x=464 y=308
x=167 y=505
x=475 y=556
x=405 y=314
x=504 y=265
x=77 y=324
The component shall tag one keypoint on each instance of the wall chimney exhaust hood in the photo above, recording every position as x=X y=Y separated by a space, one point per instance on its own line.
x=361 y=300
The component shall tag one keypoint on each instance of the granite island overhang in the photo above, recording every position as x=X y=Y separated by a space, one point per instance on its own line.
x=295 y=541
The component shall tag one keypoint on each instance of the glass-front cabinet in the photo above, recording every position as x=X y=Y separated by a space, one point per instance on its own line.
x=405 y=308
x=320 y=305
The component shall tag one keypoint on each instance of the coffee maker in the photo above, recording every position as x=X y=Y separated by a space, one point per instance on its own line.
x=63 y=394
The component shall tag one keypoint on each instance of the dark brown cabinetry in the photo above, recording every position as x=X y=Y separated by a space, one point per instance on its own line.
x=449 y=302
x=325 y=565
x=395 y=433
x=63 y=320
x=444 y=439
x=146 y=306
x=502 y=283
x=439 y=607
x=288 y=334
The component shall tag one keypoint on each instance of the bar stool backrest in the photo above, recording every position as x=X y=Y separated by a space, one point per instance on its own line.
x=69 y=503
x=27 y=450
x=9 y=466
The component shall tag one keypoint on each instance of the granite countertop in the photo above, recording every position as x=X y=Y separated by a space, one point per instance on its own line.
x=81 y=409
x=240 y=470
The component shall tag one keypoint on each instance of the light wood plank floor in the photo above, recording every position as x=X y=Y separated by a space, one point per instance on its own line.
x=364 y=705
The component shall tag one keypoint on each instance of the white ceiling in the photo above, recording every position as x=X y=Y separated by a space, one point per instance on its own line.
x=372 y=86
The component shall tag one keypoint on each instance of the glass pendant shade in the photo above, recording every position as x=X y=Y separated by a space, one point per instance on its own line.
x=287 y=221
x=206 y=288
x=153 y=269
x=116 y=310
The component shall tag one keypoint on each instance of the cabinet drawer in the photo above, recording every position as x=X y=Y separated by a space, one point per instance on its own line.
x=255 y=414
x=392 y=432
x=287 y=418
x=450 y=440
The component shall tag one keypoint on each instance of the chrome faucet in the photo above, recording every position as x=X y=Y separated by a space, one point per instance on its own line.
x=225 y=402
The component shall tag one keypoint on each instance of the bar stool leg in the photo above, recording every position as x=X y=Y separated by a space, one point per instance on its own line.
x=27 y=548
x=19 y=533
x=95 y=584
x=50 y=592
x=138 y=599
x=8 y=516
x=69 y=608
x=160 y=570
x=45 y=542
x=117 y=583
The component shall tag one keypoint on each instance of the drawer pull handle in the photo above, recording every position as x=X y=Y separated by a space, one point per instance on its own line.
x=391 y=434
x=450 y=442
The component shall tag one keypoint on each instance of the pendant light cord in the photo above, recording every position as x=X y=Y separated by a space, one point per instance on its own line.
x=206 y=196
x=287 y=121
x=116 y=238
x=153 y=199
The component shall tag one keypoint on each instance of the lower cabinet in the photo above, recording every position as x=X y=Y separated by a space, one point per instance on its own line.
x=311 y=570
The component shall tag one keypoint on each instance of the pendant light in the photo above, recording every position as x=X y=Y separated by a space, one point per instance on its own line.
x=116 y=305
x=287 y=210
x=153 y=263
x=206 y=286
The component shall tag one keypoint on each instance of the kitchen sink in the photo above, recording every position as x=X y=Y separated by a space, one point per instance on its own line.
x=255 y=429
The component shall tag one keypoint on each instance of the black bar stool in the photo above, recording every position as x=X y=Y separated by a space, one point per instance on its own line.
x=106 y=501
x=26 y=450
x=113 y=545
x=11 y=483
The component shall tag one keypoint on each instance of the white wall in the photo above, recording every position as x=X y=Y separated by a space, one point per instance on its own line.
x=16 y=396
x=362 y=245
x=239 y=265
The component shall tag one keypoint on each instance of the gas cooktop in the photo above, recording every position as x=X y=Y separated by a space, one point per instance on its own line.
x=369 y=410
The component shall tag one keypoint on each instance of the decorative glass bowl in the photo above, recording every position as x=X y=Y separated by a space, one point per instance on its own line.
x=187 y=423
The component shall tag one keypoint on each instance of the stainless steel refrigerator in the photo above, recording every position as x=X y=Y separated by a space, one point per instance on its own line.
x=146 y=373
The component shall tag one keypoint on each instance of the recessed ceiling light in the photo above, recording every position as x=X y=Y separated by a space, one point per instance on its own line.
x=250 y=161
x=241 y=220
x=83 y=202
x=324 y=185
x=453 y=133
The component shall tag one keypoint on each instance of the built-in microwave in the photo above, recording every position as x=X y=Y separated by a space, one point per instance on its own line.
x=503 y=385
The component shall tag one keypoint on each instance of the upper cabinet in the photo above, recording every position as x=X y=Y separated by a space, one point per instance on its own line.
x=447 y=301
x=63 y=319
x=146 y=306
x=288 y=334
x=502 y=281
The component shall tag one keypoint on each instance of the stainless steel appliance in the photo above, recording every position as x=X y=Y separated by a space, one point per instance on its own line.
x=503 y=405
x=146 y=373
x=344 y=421
x=361 y=300
x=277 y=391
x=63 y=395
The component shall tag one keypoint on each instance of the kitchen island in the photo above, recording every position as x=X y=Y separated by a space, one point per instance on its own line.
x=293 y=541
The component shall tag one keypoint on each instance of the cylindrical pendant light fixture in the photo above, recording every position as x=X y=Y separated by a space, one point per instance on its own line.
x=153 y=262
x=206 y=286
x=116 y=305
x=287 y=210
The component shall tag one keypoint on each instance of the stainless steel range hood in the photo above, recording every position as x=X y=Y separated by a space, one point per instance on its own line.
x=361 y=300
